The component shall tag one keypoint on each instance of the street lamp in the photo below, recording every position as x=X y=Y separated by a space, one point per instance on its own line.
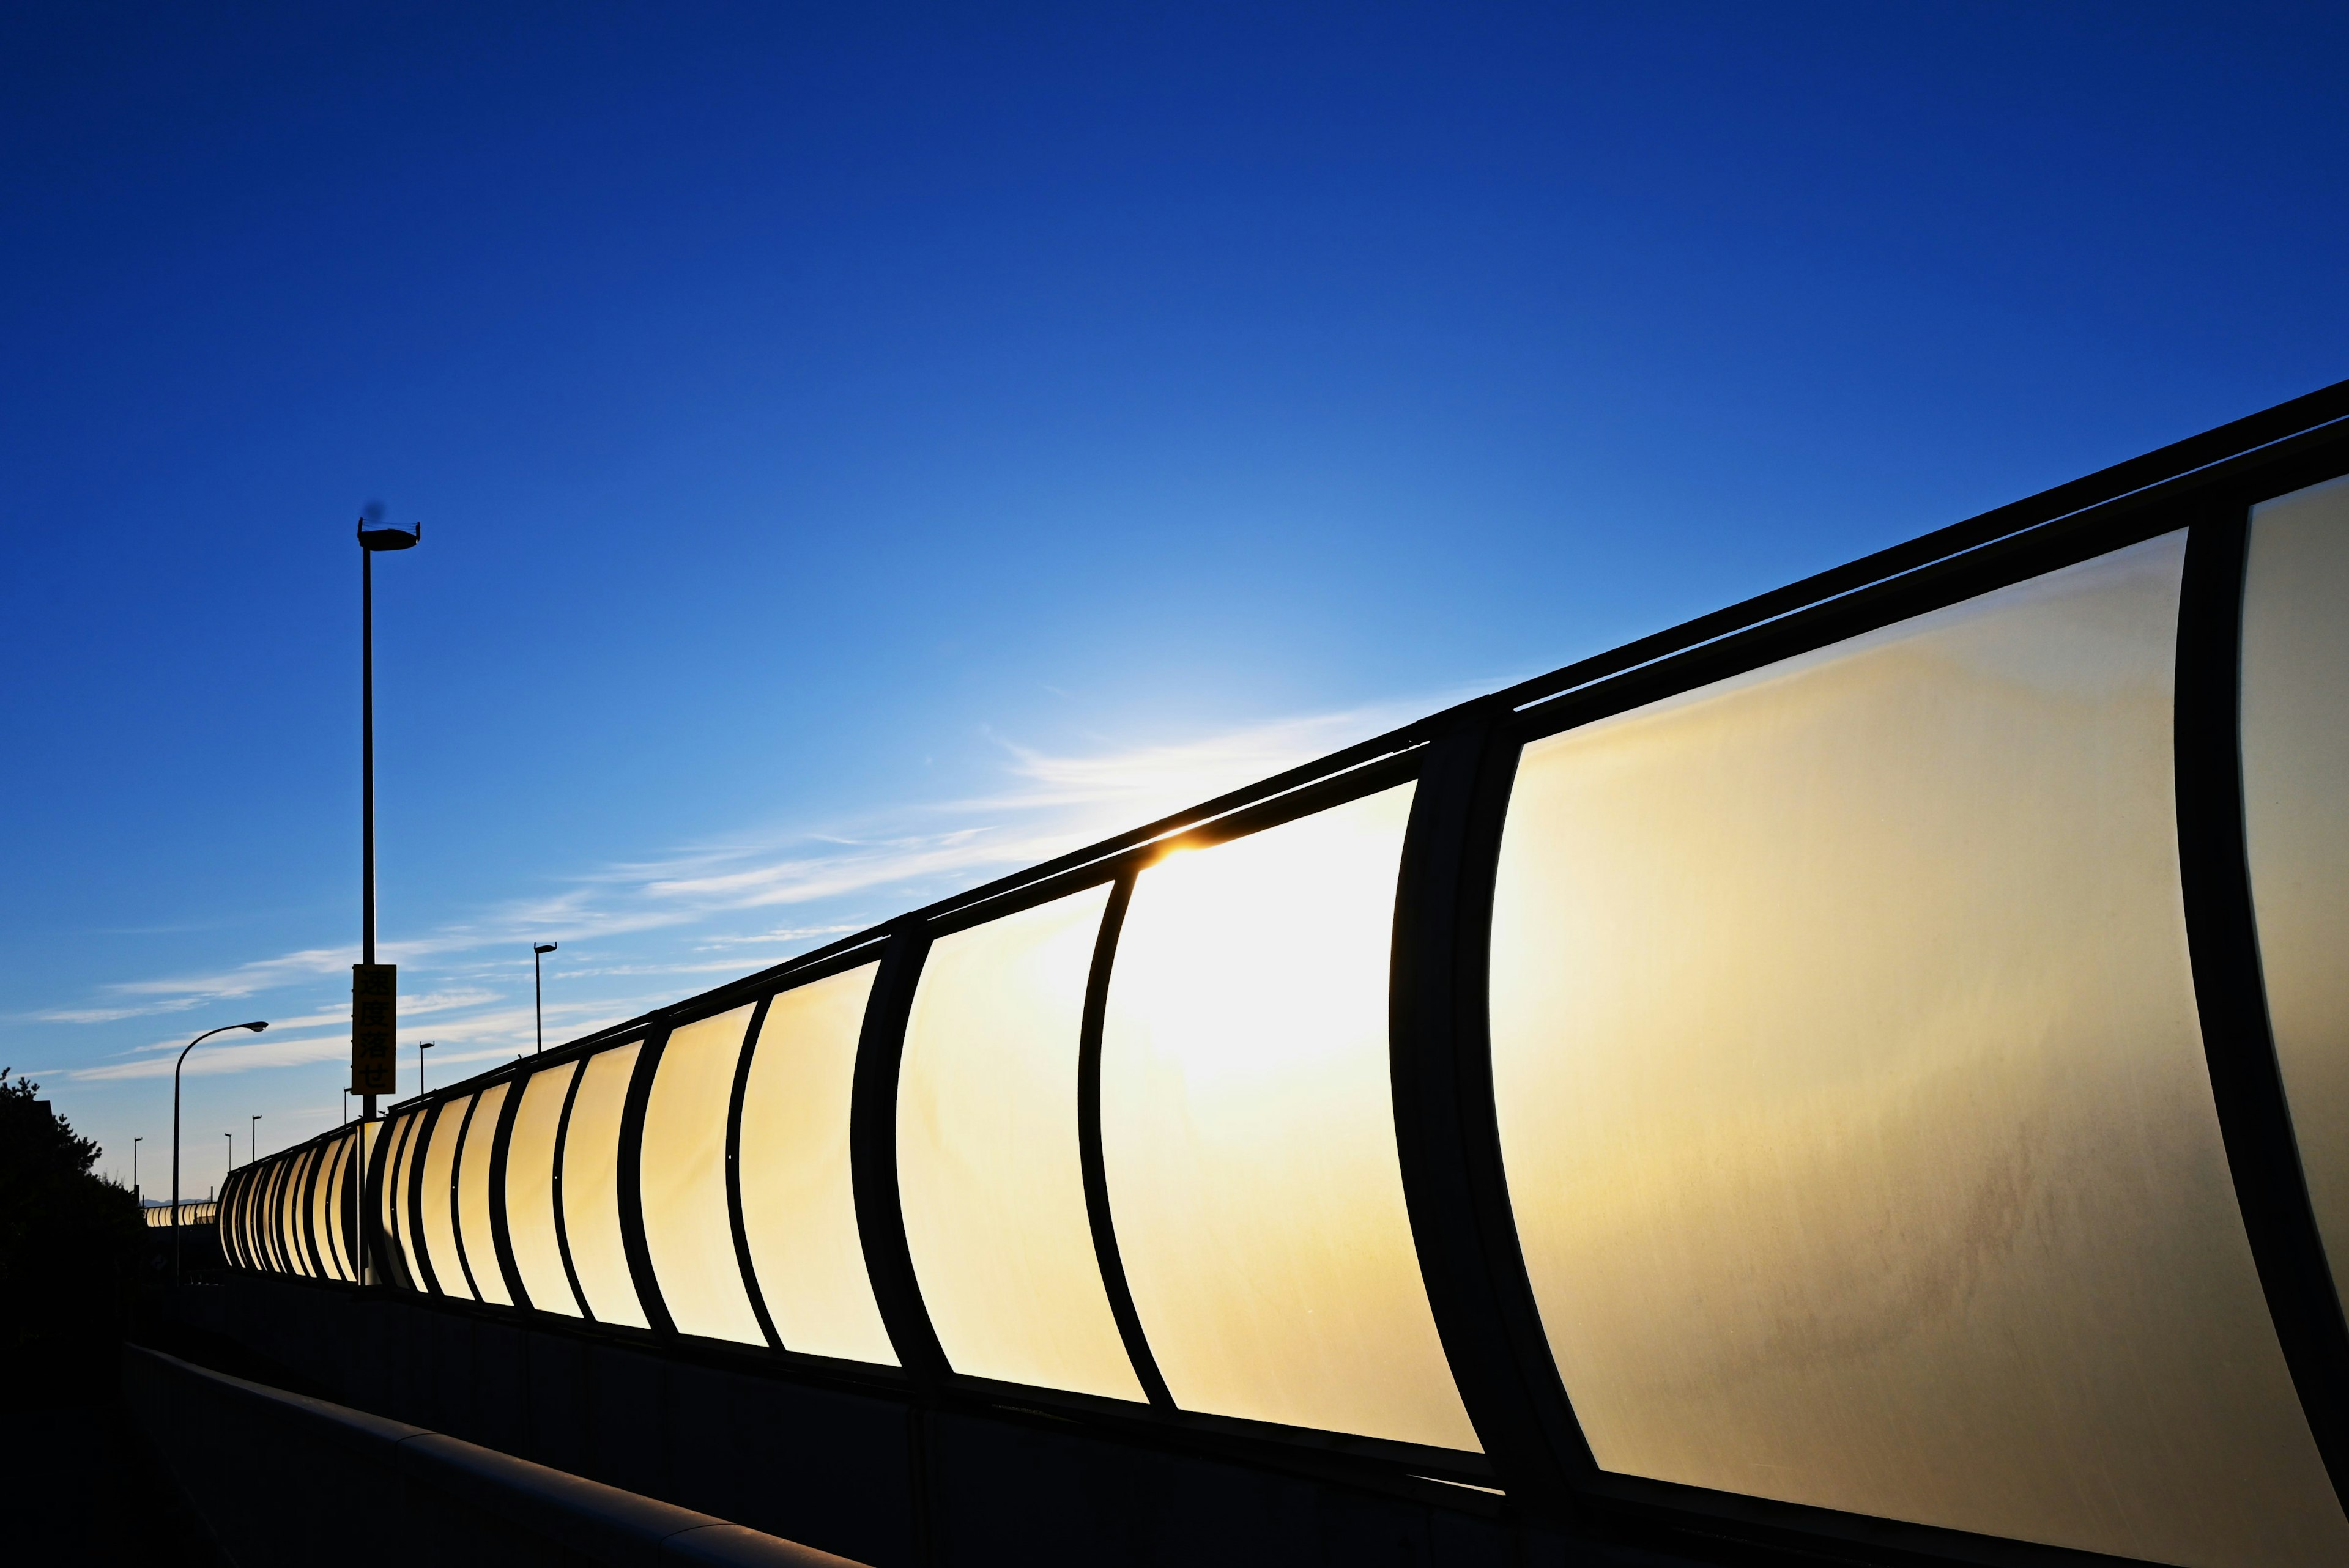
x=537 y=989
x=371 y=539
x=421 y=1047
x=232 y=1153
x=176 y=1065
x=134 y=1172
x=253 y=1138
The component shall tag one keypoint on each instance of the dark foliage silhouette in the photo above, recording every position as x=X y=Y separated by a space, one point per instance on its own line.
x=67 y=1242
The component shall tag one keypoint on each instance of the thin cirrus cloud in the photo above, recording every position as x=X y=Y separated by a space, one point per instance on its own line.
x=1055 y=803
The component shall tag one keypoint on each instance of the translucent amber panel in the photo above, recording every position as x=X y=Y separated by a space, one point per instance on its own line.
x=264 y=1218
x=591 y=1188
x=1249 y=1133
x=474 y=1198
x=530 y=1190
x=289 y=1214
x=365 y=1153
x=2296 y=820
x=1853 y=1098
x=799 y=1206
x=337 y=1212
x=322 y=1207
x=248 y=1189
x=688 y=1228
x=399 y=1219
x=281 y=1215
x=298 y=1211
x=436 y=1209
x=987 y=1166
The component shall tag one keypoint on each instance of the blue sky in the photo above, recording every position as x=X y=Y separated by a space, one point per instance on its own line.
x=863 y=449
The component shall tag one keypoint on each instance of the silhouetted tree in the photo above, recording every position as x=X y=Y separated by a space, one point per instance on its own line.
x=68 y=1240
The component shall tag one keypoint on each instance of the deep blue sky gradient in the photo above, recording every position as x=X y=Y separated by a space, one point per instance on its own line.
x=818 y=417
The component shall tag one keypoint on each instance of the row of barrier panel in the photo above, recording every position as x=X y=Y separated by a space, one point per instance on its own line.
x=1846 y=1022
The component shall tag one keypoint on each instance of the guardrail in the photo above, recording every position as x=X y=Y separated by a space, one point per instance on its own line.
x=1862 y=1064
x=280 y=1478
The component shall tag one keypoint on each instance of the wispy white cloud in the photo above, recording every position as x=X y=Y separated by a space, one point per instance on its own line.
x=1053 y=803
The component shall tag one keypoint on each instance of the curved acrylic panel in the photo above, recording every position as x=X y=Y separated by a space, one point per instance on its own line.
x=988 y=1163
x=436 y=1209
x=473 y=1168
x=688 y=1230
x=297 y=1189
x=799 y=1207
x=280 y=1204
x=1248 y=1130
x=591 y=1188
x=1853 y=1098
x=265 y=1255
x=2296 y=820
x=399 y=1237
x=530 y=1190
x=289 y=1183
x=365 y=1150
x=239 y=1206
x=322 y=1207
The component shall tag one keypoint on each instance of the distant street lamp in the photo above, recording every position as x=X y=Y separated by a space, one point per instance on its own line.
x=253 y=1138
x=134 y=1170
x=232 y=1151
x=421 y=1047
x=176 y=1065
x=537 y=989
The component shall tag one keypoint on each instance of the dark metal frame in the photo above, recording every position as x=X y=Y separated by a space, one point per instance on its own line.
x=501 y=1232
x=1092 y=1158
x=456 y=1198
x=757 y=1296
x=629 y=1178
x=411 y=1178
x=1446 y=1129
x=561 y=1225
x=2246 y=1077
x=835 y=963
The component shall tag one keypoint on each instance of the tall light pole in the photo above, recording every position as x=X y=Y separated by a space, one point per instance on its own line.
x=421 y=1047
x=192 y=1044
x=371 y=539
x=232 y=1153
x=134 y=1171
x=539 y=950
x=253 y=1138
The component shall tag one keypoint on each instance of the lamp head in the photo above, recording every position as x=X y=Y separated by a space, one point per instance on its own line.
x=426 y=1045
x=255 y=1028
x=542 y=947
x=386 y=537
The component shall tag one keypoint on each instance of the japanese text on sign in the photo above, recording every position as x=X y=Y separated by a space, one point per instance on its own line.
x=375 y=1019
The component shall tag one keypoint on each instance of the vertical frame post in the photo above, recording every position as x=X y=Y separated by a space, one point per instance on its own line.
x=2231 y=994
x=501 y=1232
x=1088 y=1149
x=741 y=1231
x=632 y=1185
x=1447 y=1134
x=872 y=1156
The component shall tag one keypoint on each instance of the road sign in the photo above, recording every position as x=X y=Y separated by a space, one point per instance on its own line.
x=375 y=1021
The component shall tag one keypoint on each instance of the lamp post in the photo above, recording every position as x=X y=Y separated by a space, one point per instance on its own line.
x=231 y=1155
x=134 y=1172
x=253 y=1138
x=192 y=1044
x=371 y=539
x=421 y=1047
x=539 y=950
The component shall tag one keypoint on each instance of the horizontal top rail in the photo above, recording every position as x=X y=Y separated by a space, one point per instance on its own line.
x=2142 y=480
